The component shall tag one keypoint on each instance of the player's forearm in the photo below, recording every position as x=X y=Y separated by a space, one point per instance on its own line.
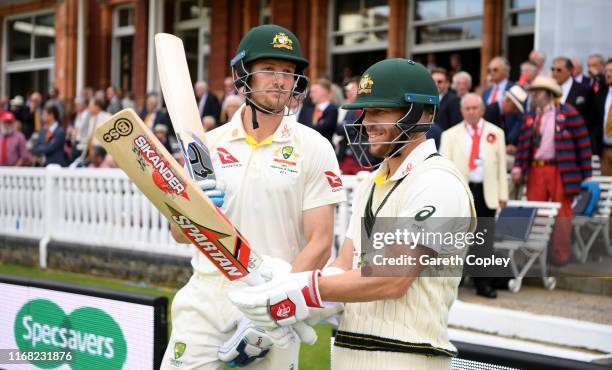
x=352 y=287
x=314 y=255
x=319 y=232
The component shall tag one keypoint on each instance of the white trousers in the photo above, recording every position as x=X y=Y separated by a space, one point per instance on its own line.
x=203 y=319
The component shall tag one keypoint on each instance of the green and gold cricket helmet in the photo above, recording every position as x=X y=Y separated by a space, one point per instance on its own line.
x=395 y=83
x=270 y=41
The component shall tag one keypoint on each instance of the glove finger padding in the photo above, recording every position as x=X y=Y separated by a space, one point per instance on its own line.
x=207 y=184
x=282 y=337
x=273 y=267
x=247 y=344
x=328 y=310
x=280 y=302
x=306 y=333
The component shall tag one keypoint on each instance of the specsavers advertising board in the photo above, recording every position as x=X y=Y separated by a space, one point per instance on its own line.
x=51 y=329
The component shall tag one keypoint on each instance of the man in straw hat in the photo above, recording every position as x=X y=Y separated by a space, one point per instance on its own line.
x=553 y=157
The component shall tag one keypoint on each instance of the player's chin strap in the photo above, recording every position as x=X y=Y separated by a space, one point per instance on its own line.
x=253 y=113
x=243 y=75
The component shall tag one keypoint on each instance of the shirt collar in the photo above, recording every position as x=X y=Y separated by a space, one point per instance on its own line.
x=284 y=132
x=479 y=126
x=567 y=85
x=53 y=127
x=416 y=156
x=323 y=106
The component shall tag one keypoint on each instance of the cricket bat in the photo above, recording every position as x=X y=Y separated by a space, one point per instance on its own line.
x=181 y=103
x=176 y=195
x=180 y=100
x=166 y=184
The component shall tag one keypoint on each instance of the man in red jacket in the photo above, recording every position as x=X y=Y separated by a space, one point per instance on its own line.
x=553 y=156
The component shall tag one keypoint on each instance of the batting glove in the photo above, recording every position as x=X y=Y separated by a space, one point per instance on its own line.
x=214 y=191
x=330 y=310
x=250 y=343
x=283 y=301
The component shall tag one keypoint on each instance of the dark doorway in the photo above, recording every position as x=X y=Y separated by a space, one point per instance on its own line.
x=350 y=65
x=24 y=83
x=470 y=61
x=519 y=48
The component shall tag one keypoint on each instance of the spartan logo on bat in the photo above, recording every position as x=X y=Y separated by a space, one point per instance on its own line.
x=163 y=176
x=208 y=242
x=122 y=127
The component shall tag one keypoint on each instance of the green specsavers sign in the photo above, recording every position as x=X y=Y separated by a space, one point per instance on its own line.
x=60 y=330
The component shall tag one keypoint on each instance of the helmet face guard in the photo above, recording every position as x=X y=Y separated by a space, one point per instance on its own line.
x=395 y=84
x=357 y=136
x=288 y=99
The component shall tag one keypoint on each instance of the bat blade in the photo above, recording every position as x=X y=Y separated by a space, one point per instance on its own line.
x=166 y=184
x=182 y=106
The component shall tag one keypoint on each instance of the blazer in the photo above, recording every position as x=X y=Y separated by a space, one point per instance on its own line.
x=487 y=92
x=598 y=109
x=211 y=107
x=579 y=97
x=454 y=146
x=510 y=124
x=572 y=147
x=52 y=149
x=160 y=117
x=27 y=121
x=326 y=124
x=449 y=113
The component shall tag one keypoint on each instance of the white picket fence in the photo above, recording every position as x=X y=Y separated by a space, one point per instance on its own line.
x=94 y=207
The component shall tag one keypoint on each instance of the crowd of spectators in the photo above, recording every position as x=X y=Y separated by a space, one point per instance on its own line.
x=35 y=132
x=541 y=130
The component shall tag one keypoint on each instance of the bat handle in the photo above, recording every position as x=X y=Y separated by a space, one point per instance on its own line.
x=306 y=333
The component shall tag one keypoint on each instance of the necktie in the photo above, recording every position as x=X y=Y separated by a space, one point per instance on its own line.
x=609 y=122
x=4 y=152
x=316 y=115
x=595 y=85
x=494 y=95
x=36 y=121
x=48 y=136
x=475 y=148
x=537 y=135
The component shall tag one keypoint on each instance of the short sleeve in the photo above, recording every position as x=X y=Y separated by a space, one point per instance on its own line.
x=323 y=182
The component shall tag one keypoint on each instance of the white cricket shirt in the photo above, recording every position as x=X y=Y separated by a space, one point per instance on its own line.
x=269 y=184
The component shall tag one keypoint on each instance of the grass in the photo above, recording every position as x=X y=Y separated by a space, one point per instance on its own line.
x=315 y=357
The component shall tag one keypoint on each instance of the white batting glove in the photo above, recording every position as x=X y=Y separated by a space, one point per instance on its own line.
x=283 y=301
x=330 y=310
x=250 y=343
x=214 y=190
x=273 y=267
